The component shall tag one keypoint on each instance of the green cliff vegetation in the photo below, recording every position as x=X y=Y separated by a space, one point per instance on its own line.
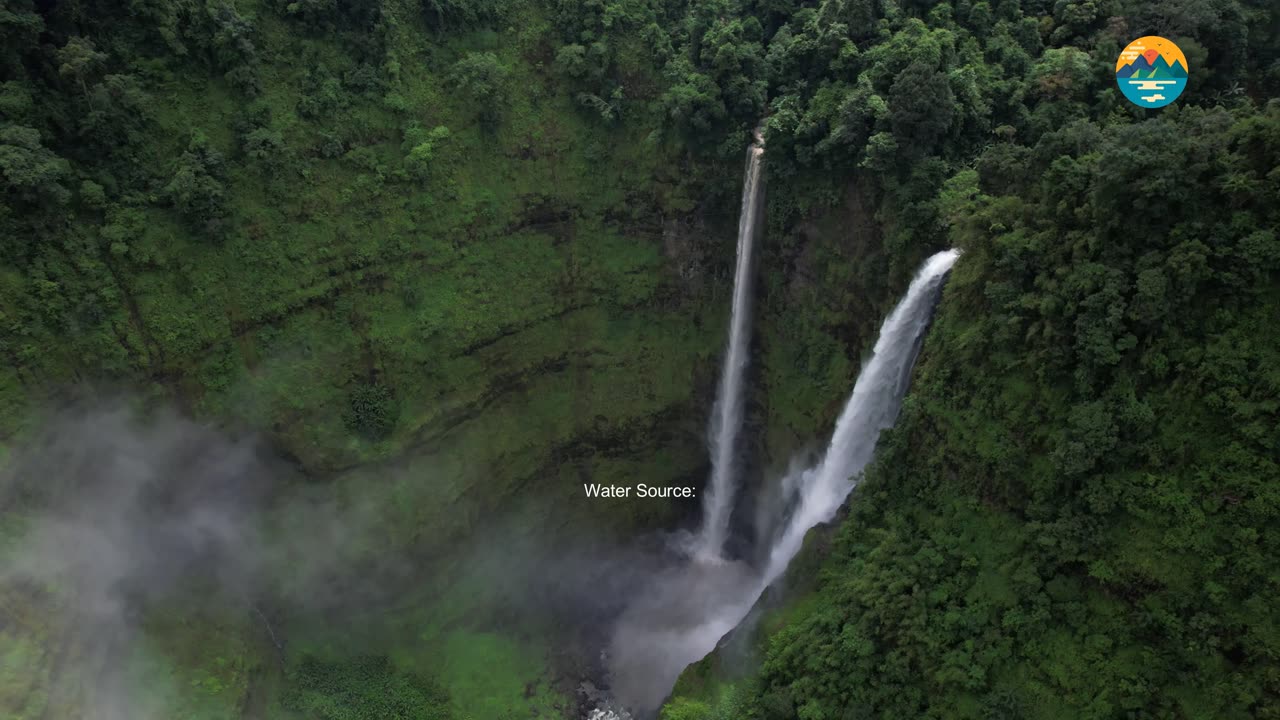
x=353 y=240
x=423 y=247
x=454 y=258
x=1069 y=519
x=1073 y=516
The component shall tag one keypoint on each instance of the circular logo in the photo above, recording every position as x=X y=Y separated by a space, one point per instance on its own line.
x=1151 y=71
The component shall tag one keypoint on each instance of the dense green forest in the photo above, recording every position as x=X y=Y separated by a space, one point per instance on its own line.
x=450 y=259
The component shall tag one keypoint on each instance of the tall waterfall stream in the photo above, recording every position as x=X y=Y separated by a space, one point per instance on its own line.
x=726 y=417
x=686 y=610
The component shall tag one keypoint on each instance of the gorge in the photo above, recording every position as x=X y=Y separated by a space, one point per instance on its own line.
x=684 y=612
x=447 y=360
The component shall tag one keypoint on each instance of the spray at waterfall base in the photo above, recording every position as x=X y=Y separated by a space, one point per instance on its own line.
x=686 y=611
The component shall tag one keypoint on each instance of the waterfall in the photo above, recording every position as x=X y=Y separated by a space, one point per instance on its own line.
x=726 y=417
x=687 y=610
x=877 y=397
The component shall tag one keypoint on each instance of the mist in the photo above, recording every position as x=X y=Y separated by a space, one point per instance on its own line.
x=107 y=515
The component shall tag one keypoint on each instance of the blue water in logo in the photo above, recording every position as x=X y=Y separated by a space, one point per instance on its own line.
x=1152 y=93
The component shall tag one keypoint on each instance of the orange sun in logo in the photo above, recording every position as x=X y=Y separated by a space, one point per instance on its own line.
x=1151 y=71
x=1151 y=47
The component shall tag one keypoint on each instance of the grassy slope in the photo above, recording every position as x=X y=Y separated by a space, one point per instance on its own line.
x=516 y=300
x=1045 y=535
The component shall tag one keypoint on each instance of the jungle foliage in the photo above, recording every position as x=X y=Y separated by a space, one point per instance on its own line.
x=363 y=688
x=1070 y=519
x=477 y=231
x=1074 y=516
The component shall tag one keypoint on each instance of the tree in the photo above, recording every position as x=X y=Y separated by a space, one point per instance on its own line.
x=119 y=112
x=30 y=170
x=441 y=13
x=323 y=93
x=921 y=108
x=362 y=688
x=263 y=144
x=692 y=102
x=372 y=412
x=79 y=60
x=422 y=147
x=336 y=14
x=482 y=77
x=197 y=187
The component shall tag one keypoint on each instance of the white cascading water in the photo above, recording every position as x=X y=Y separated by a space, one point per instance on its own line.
x=877 y=397
x=688 y=610
x=726 y=417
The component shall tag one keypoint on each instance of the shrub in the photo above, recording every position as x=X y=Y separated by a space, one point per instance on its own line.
x=372 y=411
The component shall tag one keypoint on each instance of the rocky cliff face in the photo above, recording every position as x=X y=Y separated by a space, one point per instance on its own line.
x=447 y=320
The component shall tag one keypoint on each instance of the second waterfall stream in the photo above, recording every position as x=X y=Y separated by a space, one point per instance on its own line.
x=686 y=611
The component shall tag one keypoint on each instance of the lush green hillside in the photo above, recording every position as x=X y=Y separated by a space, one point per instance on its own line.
x=1073 y=516
x=392 y=240
x=358 y=247
x=453 y=258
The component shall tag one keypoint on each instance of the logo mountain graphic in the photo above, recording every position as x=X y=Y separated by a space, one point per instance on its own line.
x=1151 y=72
x=1144 y=69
